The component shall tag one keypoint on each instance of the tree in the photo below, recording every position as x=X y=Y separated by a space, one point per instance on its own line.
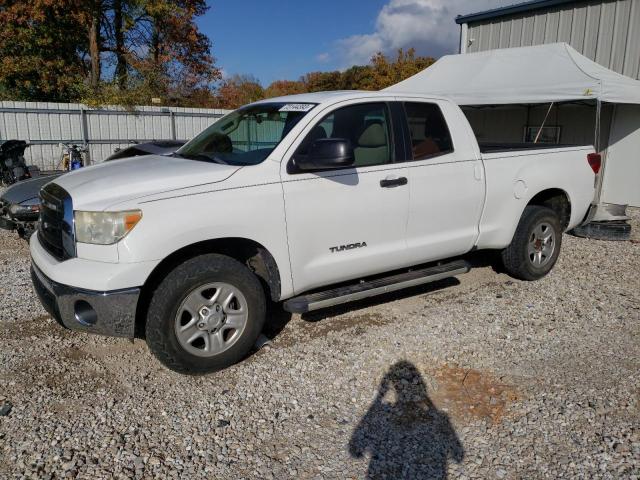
x=95 y=50
x=128 y=51
x=94 y=14
x=322 y=81
x=386 y=73
x=380 y=73
x=165 y=47
x=39 y=45
x=284 y=87
x=358 y=77
x=119 y=49
x=238 y=90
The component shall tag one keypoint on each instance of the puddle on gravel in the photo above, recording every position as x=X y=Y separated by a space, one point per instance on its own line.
x=35 y=327
x=311 y=329
x=471 y=394
x=413 y=395
x=338 y=324
x=108 y=348
x=66 y=371
x=75 y=354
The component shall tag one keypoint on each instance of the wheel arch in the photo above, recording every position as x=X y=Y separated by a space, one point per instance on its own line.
x=253 y=254
x=557 y=200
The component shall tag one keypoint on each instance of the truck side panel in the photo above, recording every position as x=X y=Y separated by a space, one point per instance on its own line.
x=514 y=178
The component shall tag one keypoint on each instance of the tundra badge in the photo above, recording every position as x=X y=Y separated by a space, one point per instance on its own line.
x=350 y=246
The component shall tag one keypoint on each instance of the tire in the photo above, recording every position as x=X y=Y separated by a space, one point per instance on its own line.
x=25 y=233
x=220 y=339
x=525 y=257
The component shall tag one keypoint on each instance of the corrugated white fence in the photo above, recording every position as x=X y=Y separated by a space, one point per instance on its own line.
x=45 y=125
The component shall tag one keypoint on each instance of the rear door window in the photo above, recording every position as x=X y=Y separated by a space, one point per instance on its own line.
x=428 y=130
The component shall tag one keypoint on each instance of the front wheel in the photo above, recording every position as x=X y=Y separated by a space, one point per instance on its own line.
x=535 y=246
x=205 y=315
x=26 y=232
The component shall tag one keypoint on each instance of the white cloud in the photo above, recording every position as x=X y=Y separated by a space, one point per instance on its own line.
x=323 y=57
x=426 y=25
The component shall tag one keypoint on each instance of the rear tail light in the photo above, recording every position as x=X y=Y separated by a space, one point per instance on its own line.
x=595 y=161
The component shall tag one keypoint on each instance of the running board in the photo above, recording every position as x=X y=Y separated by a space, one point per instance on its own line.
x=364 y=289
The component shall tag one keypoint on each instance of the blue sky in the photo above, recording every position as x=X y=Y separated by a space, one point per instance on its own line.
x=283 y=39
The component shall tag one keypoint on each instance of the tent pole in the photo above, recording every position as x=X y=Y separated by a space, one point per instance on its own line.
x=596 y=141
x=543 y=122
x=597 y=144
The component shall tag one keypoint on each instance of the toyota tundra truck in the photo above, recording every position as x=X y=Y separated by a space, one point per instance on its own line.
x=311 y=200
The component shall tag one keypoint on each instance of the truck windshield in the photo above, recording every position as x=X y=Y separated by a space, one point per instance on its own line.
x=246 y=136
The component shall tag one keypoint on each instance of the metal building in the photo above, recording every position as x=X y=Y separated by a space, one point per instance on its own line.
x=606 y=31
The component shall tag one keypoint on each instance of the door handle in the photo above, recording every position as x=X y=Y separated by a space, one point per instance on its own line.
x=393 y=182
x=477 y=171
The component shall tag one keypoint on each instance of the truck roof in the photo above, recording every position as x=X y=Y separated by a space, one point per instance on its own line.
x=337 y=95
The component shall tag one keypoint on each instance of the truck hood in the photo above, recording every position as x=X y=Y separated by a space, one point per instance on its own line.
x=26 y=190
x=99 y=186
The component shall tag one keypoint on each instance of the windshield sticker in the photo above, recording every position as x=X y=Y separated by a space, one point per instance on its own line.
x=296 y=107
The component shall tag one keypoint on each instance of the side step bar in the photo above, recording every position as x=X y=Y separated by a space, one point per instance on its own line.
x=364 y=289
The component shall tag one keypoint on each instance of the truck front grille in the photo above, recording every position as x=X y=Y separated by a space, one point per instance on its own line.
x=56 y=232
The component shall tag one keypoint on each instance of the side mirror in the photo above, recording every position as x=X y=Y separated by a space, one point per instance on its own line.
x=327 y=153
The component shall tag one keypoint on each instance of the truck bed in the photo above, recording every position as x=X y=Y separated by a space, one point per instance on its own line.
x=491 y=147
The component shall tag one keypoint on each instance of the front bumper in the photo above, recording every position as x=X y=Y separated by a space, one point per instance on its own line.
x=109 y=313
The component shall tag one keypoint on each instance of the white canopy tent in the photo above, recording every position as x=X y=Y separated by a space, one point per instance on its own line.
x=548 y=74
x=538 y=74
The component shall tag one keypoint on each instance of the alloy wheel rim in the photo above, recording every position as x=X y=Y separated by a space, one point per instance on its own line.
x=211 y=318
x=541 y=245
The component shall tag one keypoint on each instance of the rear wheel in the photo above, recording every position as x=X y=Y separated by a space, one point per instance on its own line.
x=536 y=244
x=205 y=315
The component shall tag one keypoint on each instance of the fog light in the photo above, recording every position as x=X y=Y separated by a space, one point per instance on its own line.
x=84 y=313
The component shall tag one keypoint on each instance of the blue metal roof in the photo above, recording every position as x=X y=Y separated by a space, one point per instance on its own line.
x=512 y=9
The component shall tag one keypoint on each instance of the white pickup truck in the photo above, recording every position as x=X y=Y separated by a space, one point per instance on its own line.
x=313 y=200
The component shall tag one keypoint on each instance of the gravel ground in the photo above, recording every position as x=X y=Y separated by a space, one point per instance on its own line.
x=485 y=377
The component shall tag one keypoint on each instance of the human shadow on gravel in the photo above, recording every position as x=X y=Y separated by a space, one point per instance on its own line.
x=407 y=437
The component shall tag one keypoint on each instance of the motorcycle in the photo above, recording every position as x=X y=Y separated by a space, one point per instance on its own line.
x=12 y=164
x=72 y=156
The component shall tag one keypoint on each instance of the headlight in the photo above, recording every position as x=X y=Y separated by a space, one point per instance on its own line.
x=105 y=228
x=18 y=210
